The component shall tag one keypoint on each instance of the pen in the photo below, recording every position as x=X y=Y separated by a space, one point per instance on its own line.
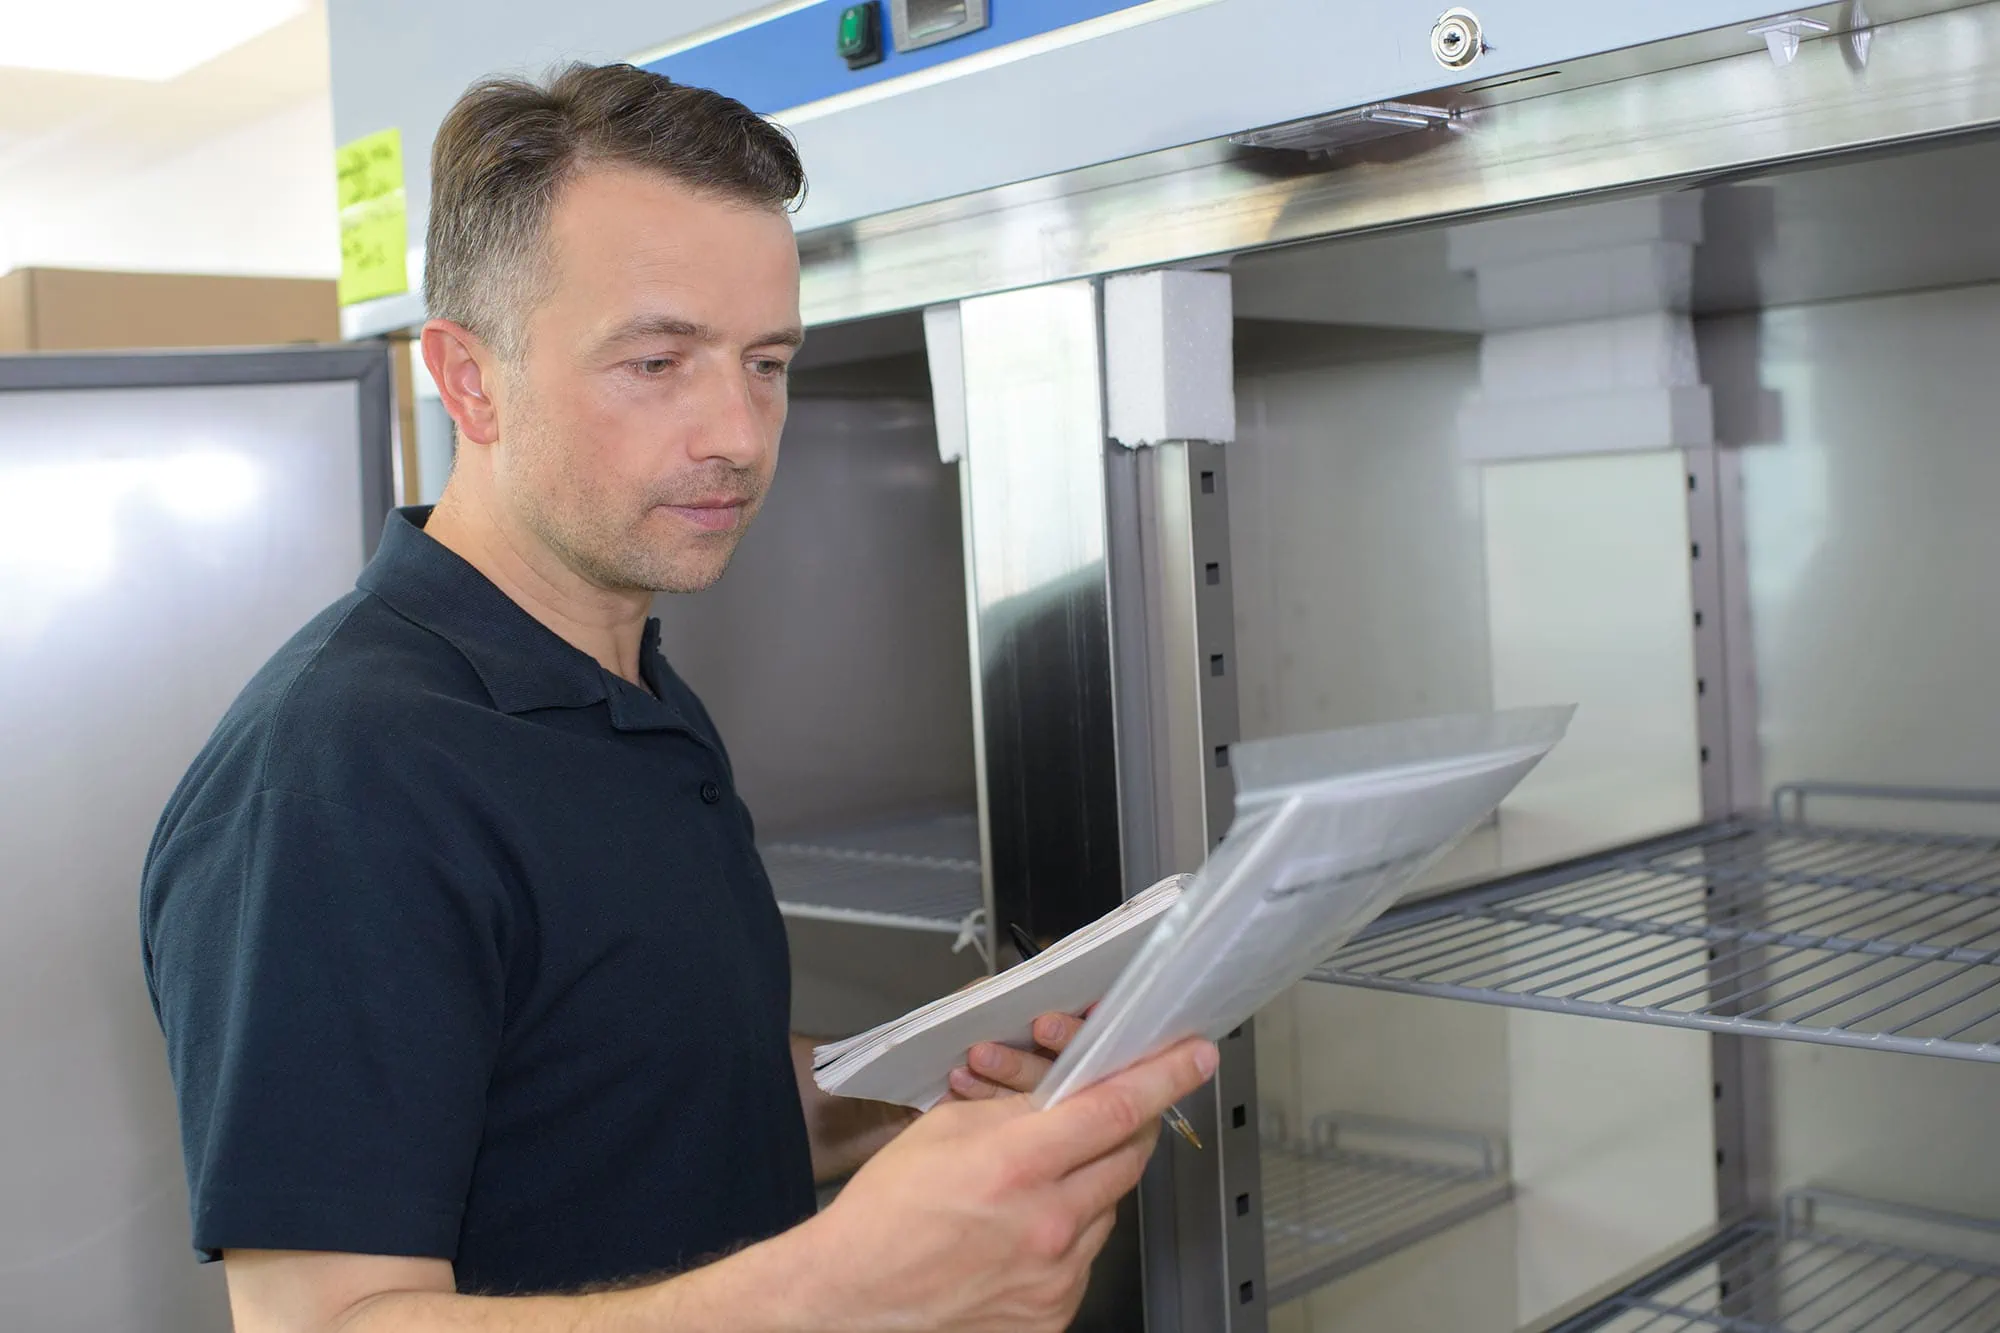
x=1025 y=946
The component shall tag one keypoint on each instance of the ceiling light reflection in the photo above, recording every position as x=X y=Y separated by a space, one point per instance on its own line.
x=60 y=522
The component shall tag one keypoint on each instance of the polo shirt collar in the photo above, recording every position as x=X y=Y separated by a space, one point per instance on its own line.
x=523 y=663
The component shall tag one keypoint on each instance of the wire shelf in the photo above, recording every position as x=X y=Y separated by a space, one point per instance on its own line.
x=918 y=874
x=1360 y=1189
x=1780 y=928
x=1797 y=1273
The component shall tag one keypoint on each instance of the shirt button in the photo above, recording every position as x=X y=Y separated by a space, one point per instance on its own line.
x=710 y=793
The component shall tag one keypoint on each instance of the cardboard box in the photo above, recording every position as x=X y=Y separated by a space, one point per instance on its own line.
x=70 y=310
x=91 y=310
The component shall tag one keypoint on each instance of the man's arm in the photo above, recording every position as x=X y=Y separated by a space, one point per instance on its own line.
x=277 y=1291
x=273 y=1291
x=985 y=1216
x=846 y=1131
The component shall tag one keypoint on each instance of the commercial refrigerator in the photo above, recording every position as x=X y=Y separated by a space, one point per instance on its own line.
x=167 y=520
x=1659 y=382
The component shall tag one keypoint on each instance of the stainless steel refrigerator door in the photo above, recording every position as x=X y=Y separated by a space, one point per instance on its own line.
x=156 y=545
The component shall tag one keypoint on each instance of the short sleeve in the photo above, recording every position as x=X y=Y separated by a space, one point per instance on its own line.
x=332 y=994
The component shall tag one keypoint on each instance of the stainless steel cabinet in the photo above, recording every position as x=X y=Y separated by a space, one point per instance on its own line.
x=166 y=521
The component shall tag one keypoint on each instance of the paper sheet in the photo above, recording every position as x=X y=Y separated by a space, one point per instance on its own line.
x=908 y=1060
x=1329 y=831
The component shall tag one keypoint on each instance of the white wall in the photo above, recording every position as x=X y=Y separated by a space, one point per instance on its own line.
x=258 y=199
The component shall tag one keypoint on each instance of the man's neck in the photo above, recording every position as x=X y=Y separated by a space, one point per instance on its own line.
x=606 y=624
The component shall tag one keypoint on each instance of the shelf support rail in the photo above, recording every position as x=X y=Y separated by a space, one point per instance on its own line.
x=1170 y=414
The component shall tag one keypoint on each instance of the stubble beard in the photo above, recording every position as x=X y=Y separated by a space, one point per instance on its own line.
x=612 y=543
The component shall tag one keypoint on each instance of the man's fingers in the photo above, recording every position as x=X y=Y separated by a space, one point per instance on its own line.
x=1055 y=1031
x=1002 y=1064
x=1098 y=1119
x=992 y=1067
x=970 y=1086
x=1017 y=1071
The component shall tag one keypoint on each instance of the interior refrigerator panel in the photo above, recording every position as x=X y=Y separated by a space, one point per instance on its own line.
x=1387 y=566
x=833 y=652
x=1872 y=542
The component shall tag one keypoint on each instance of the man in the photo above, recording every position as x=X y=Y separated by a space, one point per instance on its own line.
x=474 y=991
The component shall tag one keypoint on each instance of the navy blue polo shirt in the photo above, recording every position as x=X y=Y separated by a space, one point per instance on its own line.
x=462 y=948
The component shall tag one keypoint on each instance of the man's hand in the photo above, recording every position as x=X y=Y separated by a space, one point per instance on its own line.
x=993 y=1070
x=986 y=1214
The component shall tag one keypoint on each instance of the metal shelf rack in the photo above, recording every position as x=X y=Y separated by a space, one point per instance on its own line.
x=1828 y=1263
x=1772 y=927
x=1359 y=1189
x=914 y=874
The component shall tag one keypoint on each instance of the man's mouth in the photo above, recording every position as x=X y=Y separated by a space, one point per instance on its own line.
x=721 y=514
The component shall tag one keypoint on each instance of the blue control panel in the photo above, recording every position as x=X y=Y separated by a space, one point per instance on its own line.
x=795 y=58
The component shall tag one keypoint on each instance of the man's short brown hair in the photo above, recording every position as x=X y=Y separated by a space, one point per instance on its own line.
x=506 y=150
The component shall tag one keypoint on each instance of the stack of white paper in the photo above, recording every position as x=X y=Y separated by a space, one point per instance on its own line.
x=907 y=1061
x=1329 y=830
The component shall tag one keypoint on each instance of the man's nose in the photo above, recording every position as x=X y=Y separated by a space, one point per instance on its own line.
x=735 y=426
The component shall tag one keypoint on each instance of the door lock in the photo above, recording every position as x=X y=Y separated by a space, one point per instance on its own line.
x=1456 y=39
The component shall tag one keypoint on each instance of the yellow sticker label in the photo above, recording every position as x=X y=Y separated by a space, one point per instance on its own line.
x=369 y=168
x=373 y=238
x=374 y=218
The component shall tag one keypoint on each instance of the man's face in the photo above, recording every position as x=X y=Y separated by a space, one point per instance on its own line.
x=639 y=427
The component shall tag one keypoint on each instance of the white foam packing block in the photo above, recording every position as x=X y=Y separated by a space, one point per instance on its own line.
x=1605 y=226
x=1589 y=284
x=1619 y=422
x=944 y=348
x=1639 y=351
x=1168 y=366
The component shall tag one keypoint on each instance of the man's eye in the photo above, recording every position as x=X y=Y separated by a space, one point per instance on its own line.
x=655 y=365
x=768 y=367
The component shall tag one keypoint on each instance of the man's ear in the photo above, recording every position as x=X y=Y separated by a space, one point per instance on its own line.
x=465 y=371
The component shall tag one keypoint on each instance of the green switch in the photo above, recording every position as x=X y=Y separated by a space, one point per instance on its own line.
x=860 y=42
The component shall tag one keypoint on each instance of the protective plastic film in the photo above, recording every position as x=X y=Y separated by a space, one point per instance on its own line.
x=1330 y=829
